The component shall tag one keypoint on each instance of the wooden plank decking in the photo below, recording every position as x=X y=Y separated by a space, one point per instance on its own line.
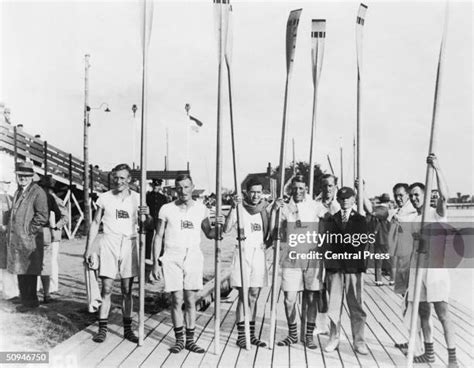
x=384 y=327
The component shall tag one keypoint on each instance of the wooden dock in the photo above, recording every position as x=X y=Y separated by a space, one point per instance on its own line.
x=383 y=329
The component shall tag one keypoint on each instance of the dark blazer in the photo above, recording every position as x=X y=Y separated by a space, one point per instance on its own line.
x=356 y=224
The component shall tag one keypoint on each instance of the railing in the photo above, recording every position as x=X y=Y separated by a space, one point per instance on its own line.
x=50 y=159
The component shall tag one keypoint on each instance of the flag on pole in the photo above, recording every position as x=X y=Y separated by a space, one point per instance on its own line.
x=195 y=123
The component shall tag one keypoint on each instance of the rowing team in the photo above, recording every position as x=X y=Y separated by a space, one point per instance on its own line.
x=178 y=260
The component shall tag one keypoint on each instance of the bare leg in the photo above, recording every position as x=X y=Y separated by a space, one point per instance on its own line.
x=107 y=285
x=176 y=304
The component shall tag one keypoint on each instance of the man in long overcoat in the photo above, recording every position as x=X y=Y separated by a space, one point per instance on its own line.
x=28 y=215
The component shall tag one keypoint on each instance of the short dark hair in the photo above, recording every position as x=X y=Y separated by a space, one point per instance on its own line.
x=122 y=167
x=328 y=176
x=417 y=184
x=401 y=185
x=182 y=177
x=252 y=182
x=298 y=179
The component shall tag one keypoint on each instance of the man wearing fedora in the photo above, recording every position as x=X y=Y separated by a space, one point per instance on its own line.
x=381 y=226
x=25 y=247
x=344 y=273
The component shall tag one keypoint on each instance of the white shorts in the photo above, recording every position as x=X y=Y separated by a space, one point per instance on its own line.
x=298 y=279
x=118 y=256
x=256 y=268
x=182 y=269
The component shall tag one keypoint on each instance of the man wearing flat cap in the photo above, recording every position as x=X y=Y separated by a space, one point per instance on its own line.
x=28 y=215
x=154 y=200
x=345 y=268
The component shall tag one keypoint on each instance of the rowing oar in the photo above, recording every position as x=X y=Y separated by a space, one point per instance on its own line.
x=239 y=209
x=427 y=197
x=291 y=33
x=221 y=12
x=359 y=28
x=318 y=35
x=330 y=165
x=147 y=9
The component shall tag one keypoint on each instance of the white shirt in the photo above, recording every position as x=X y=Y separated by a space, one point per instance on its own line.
x=120 y=214
x=304 y=211
x=253 y=228
x=183 y=224
x=322 y=208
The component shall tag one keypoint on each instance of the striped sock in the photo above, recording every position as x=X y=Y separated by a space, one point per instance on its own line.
x=127 y=330
x=190 y=344
x=241 y=335
x=310 y=344
x=428 y=356
x=292 y=337
x=102 y=334
x=253 y=339
x=452 y=360
x=179 y=345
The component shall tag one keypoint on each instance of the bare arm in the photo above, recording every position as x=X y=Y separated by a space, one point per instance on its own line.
x=93 y=231
x=158 y=239
x=441 y=208
x=207 y=229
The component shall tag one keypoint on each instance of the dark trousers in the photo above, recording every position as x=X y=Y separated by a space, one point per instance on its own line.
x=27 y=285
x=382 y=264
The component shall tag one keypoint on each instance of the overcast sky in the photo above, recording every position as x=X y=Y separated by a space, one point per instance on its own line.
x=43 y=47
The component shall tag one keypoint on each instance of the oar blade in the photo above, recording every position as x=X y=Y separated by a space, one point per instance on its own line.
x=221 y=20
x=147 y=21
x=318 y=36
x=229 y=44
x=360 y=21
x=291 y=34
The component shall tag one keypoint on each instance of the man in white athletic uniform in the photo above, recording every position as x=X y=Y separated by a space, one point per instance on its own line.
x=300 y=212
x=256 y=220
x=180 y=224
x=435 y=286
x=119 y=211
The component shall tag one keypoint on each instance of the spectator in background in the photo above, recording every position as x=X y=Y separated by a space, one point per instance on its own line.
x=381 y=228
x=28 y=215
x=58 y=218
x=155 y=199
x=9 y=281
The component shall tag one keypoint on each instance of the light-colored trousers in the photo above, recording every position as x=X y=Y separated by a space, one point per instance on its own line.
x=352 y=286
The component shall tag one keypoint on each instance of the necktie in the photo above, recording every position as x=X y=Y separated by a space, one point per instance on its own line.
x=345 y=216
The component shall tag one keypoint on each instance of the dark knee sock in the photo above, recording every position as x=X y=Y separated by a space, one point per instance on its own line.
x=428 y=356
x=452 y=355
x=179 y=345
x=241 y=335
x=292 y=337
x=190 y=344
x=127 y=330
x=102 y=333
x=253 y=339
x=309 y=335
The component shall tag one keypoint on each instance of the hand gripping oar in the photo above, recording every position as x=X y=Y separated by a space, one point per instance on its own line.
x=291 y=33
x=427 y=195
x=221 y=11
x=359 y=28
x=239 y=210
x=147 y=17
x=318 y=35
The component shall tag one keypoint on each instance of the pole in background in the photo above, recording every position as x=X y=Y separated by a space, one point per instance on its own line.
x=85 y=184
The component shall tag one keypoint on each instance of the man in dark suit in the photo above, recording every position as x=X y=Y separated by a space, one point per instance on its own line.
x=154 y=200
x=345 y=265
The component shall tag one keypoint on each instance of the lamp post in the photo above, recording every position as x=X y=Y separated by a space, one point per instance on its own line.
x=87 y=110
